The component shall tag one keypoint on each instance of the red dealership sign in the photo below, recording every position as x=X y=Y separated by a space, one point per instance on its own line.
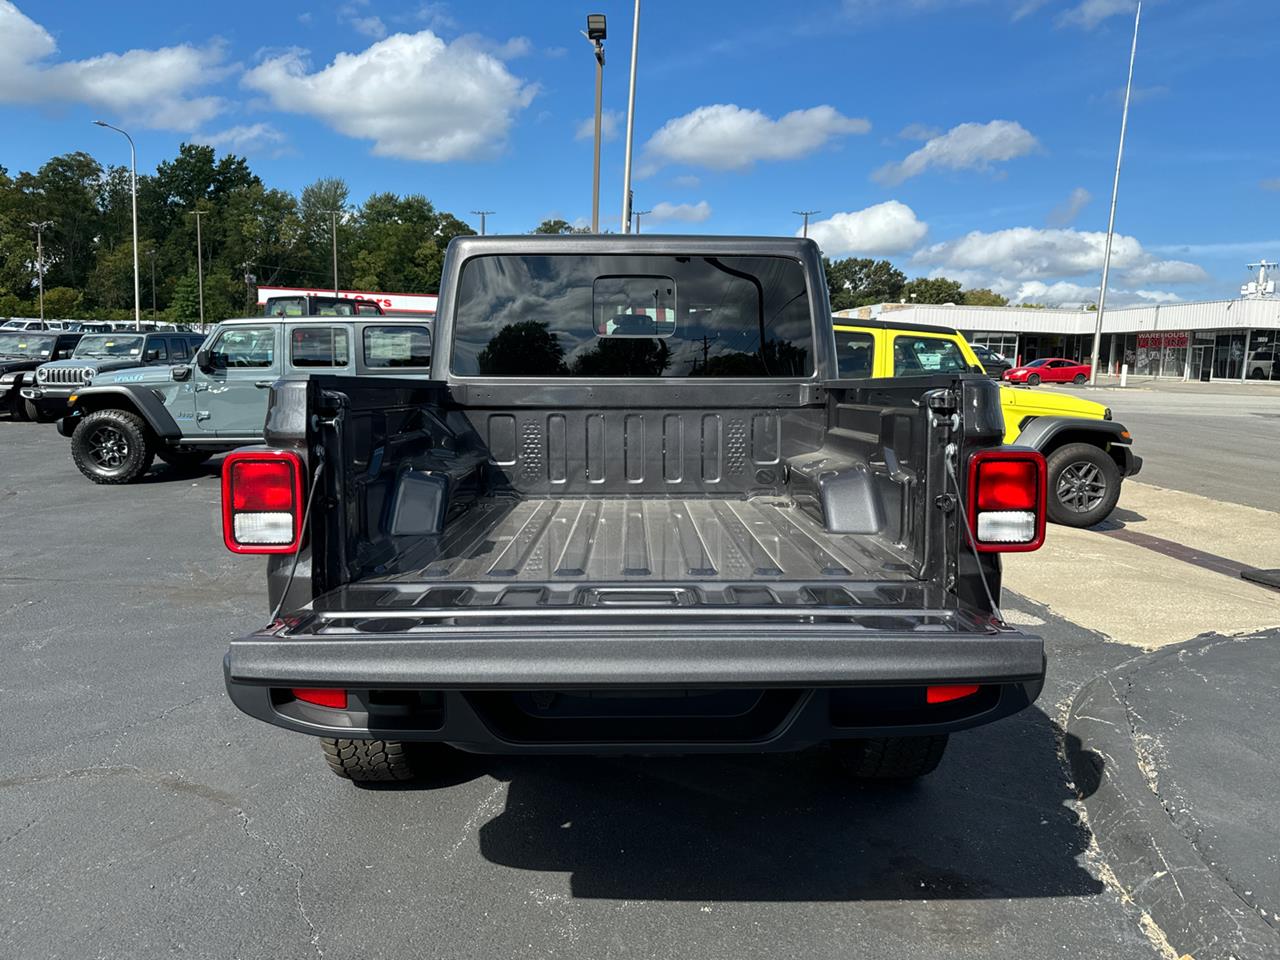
x=1151 y=341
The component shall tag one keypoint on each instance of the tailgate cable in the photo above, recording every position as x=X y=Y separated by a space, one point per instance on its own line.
x=306 y=515
x=968 y=532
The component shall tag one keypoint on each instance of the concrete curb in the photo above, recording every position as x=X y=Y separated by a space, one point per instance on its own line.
x=1154 y=863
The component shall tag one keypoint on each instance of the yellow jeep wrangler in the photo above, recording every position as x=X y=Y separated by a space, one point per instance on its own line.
x=1088 y=452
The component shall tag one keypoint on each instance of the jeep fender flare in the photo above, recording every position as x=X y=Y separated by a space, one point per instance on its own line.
x=139 y=399
x=1047 y=433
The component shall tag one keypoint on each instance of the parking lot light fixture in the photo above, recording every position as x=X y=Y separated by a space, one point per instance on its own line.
x=133 y=180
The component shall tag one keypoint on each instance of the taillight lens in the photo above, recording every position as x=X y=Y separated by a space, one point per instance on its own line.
x=262 y=501
x=1007 y=494
x=322 y=696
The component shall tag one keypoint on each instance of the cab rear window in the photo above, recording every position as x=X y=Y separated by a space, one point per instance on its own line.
x=924 y=356
x=855 y=355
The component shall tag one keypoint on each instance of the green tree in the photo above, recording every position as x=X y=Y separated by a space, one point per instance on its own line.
x=932 y=290
x=527 y=348
x=61 y=303
x=859 y=281
x=984 y=298
x=185 y=306
x=559 y=226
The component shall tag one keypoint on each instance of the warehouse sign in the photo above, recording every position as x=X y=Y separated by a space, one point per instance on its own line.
x=1155 y=341
x=417 y=303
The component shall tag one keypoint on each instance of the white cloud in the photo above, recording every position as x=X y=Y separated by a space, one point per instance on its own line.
x=1065 y=212
x=609 y=121
x=1270 y=183
x=369 y=26
x=1158 y=296
x=889 y=227
x=724 y=136
x=684 y=212
x=249 y=138
x=918 y=131
x=1030 y=253
x=1089 y=13
x=687 y=180
x=414 y=95
x=969 y=146
x=151 y=87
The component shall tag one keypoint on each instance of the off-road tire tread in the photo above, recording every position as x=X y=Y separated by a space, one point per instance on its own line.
x=140 y=440
x=370 y=761
x=894 y=758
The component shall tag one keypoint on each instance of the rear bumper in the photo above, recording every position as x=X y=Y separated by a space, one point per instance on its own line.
x=804 y=677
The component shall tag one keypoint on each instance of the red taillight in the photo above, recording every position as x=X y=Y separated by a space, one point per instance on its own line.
x=947 y=693
x=323 y=697
x=262 y=501
x=1007 y=494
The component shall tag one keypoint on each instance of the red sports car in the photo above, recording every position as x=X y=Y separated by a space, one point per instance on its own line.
x=1049 y=370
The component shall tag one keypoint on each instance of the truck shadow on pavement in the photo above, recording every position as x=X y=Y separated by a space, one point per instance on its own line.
x=994 y=821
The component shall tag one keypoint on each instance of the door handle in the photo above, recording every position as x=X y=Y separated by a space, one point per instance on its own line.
x=263 y=384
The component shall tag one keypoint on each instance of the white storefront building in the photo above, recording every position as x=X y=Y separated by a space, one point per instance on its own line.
x=1208 y=340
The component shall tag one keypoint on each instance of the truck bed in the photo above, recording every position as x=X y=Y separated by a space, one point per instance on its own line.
x=636 y=541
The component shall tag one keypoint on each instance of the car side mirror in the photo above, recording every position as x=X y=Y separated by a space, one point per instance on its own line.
x=203 y=361
x=181 y=373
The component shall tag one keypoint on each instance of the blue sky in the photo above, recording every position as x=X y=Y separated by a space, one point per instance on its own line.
x=969 y=138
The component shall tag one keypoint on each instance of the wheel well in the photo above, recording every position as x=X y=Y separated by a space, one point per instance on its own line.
x=1094 y=439
x=116 y=402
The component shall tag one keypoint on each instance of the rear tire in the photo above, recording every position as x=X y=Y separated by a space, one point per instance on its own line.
x=1033 y=380
x=183 y=457
x=383 y=761
x=1079 y=379
x=1084 y=485
x=112 y=446
x=887 y=759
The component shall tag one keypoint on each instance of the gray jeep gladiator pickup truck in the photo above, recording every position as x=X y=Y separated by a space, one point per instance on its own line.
x=634 y=510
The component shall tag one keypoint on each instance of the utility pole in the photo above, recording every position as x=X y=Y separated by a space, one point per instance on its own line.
x=39 y=227
x=596 y=33
x=200 y=265
x=481 y=214
x=806 y=214
x=1115 y=190
x=152 y=254
x=334 y=215
x=638 y=214
x=631 y=124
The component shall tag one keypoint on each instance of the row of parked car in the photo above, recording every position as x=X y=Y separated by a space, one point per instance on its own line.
x=125 y=399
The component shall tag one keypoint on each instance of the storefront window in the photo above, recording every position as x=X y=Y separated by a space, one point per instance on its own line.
x=1228 y=355
x=1263 y=360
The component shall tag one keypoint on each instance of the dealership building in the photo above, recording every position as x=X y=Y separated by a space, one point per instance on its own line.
x=1210 y=340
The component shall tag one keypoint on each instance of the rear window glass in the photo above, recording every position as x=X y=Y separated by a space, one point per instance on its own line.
x=632 y=316
x=924 y=356
x=319 y=347
x=855 y=355
x=398 y=346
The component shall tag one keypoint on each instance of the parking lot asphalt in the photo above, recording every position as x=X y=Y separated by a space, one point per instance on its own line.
x=141 y=814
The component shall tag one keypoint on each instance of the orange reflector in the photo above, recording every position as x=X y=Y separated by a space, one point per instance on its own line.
x=945 y=694
x=328 y=697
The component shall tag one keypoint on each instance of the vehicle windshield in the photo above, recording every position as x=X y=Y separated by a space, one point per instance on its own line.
x=1036 y=363
x=106 y=346
x=16 y=345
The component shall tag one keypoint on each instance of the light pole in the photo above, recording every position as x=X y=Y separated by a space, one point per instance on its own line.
x=152 y=254
x=638 y=214
x=39 y=227
x=806 y=214
x=200 y=265
x=596 y=33
x=631 y=124
x=481 y=214
x=333 y=214
x=1115 y=190
x=133 y=177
